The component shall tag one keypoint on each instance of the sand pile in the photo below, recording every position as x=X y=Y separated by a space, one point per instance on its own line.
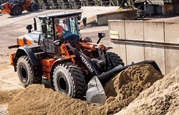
x=127 y=85
x=121 y=90
x=6 y=96
x=162 y=98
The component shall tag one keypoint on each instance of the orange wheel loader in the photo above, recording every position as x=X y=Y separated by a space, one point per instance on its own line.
x=16 y=7
x=75 y=66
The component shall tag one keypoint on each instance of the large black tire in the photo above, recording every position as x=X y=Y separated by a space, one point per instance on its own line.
x=69 y=79
x=17 y=10
x=116 y=59
x=26 y=73
x=87 y=39
x=34 y=7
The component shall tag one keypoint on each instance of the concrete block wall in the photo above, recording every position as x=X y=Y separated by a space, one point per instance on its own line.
x=171 y=36
x=154 y=31
x=134 y=54
x=119 y=30
x=158 y=32
x=102 y=19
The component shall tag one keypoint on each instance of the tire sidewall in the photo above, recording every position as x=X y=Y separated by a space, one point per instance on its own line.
x=17 y=8
x=60 y=70
x=34 y=7
x=23 y=63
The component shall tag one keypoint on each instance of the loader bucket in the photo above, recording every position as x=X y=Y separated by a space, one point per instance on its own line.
x=110 y=74
x=95 y=92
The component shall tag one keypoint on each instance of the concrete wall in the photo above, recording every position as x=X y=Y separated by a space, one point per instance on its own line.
x=134 y=54
x=102 y=19
x=163 y=38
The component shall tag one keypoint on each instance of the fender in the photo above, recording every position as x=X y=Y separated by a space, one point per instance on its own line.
x=58 y=61
x=25 y=50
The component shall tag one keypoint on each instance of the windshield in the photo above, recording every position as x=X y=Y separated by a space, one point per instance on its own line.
x=69 y=24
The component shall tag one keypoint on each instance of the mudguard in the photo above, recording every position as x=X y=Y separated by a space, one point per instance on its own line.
x=56 y=62
x=25 y=50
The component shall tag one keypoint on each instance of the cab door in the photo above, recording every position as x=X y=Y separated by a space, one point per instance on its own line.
x=47 y=37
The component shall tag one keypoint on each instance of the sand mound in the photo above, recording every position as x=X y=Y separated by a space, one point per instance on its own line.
x=162 y=98
x=6 y=96
x=36 y=99
x=127 y=85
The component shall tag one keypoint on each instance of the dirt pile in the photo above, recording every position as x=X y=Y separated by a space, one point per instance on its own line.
x=6 y=96
x=162 y=98
x=38 y=100
x=121 y=90
x=127 y=85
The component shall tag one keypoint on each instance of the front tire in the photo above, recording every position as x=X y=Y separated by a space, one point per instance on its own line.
x=69 y=79
x=25 y=72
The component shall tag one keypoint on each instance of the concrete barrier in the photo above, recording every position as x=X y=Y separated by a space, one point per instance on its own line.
x=102 y=19
x=171 y=32
x=101 y=15
x=171 y=36
x=134 y=31
x=153 y=31
x=140 y=40
x=119 y=27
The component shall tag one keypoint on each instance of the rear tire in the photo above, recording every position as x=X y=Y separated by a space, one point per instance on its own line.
x=69 y=79
x=34 y=7
x=115 y=59
x=87 y=39
x=17 y=10
x=25 y=72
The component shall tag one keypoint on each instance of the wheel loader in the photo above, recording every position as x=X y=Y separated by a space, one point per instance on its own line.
x=16 y=7
x=75 y=66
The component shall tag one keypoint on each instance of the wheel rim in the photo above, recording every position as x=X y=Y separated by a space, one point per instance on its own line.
x=23 y=73
x=62 y=84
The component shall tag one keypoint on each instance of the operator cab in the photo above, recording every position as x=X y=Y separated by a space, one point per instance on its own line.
x=49 y=35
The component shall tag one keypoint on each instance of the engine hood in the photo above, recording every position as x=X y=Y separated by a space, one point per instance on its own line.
x=29 y=38
x=33 y=36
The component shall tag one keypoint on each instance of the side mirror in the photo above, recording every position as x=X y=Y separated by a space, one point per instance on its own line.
x=29 y=28
x=101 y=35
